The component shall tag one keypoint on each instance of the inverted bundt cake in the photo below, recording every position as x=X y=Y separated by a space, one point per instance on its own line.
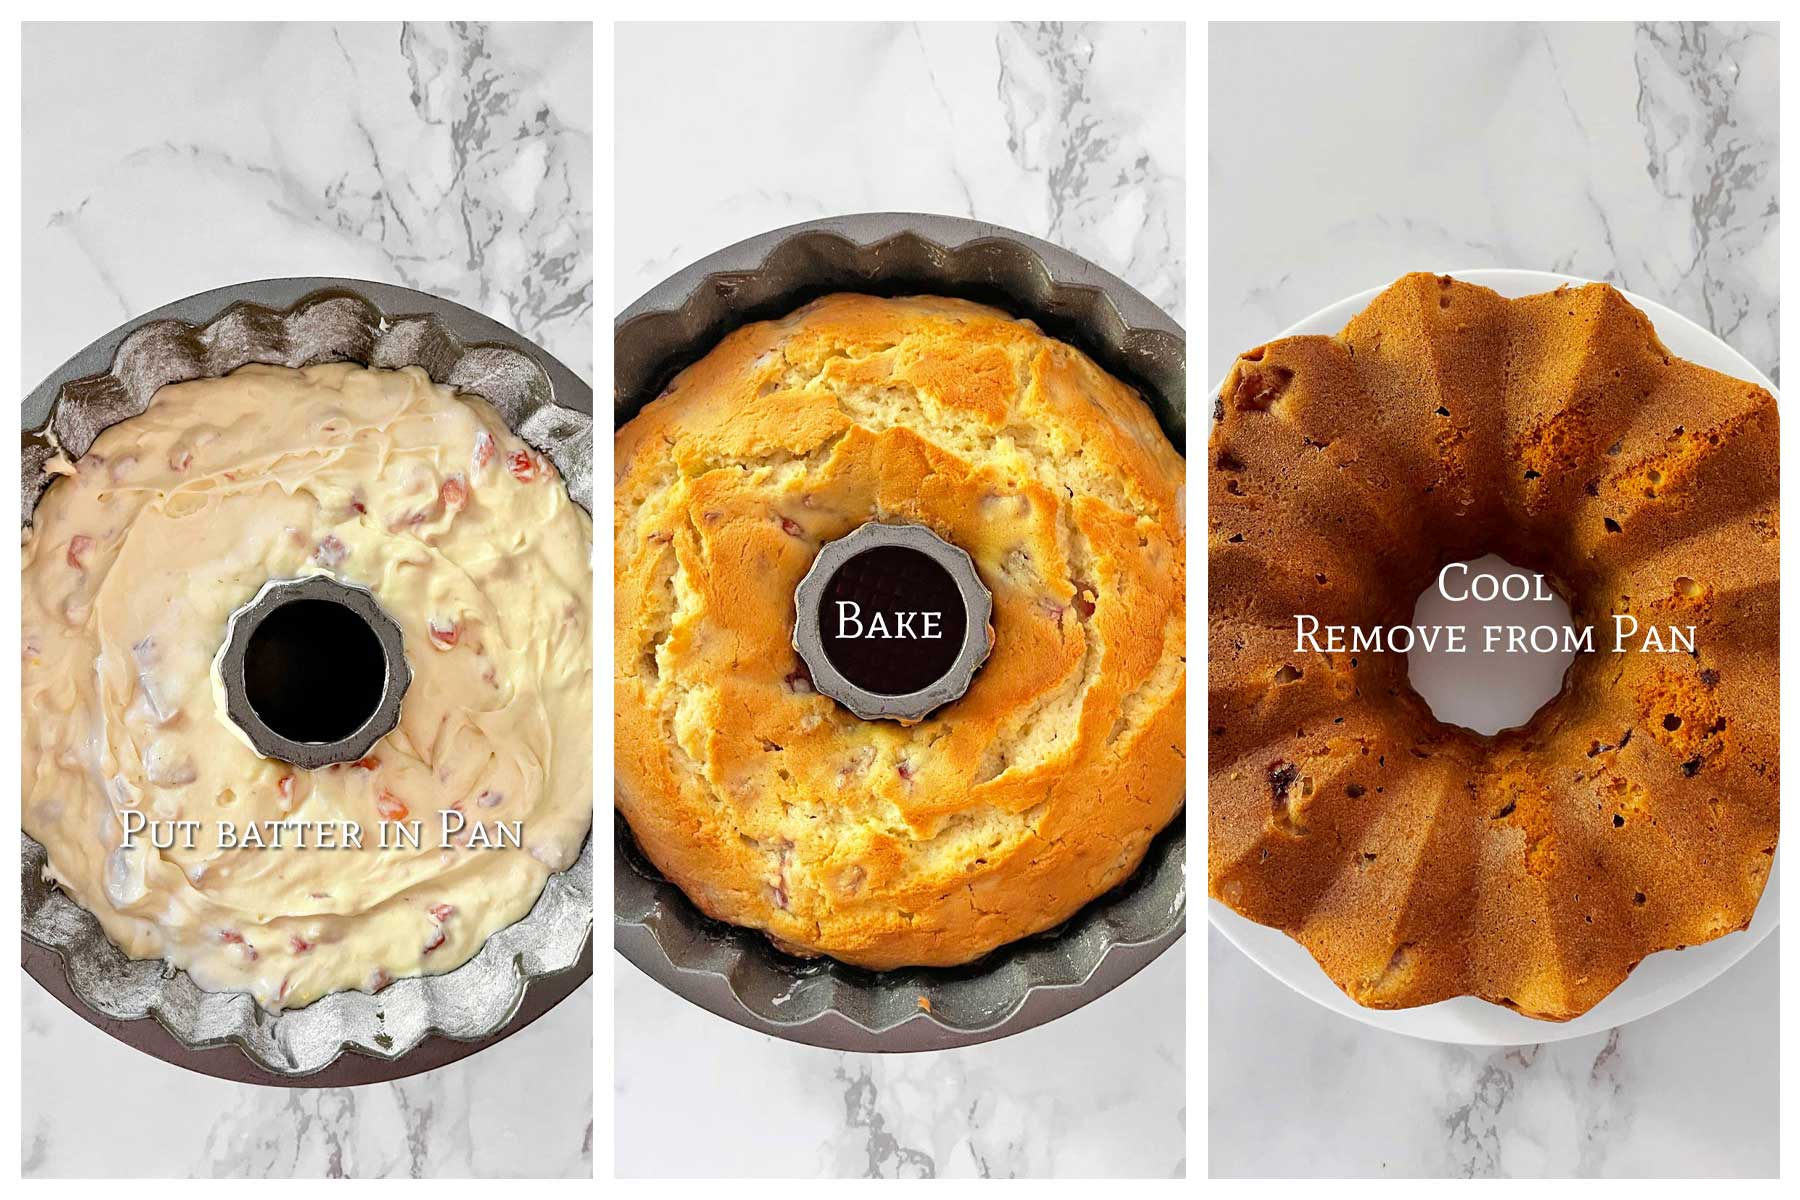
x=1637 y=811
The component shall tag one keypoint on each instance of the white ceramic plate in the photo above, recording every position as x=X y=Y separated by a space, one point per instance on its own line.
x=1659 y=980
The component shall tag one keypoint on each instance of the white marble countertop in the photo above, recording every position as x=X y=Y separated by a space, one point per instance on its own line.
x=1074 y=134
x=1692 y=1091
x=1642 y=155
x=163 y=160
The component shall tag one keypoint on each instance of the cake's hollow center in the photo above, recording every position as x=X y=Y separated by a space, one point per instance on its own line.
x=1516 y=645
x=892 y=620
x=314 y=671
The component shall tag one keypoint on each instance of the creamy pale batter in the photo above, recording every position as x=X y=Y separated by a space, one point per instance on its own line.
x=169 y=524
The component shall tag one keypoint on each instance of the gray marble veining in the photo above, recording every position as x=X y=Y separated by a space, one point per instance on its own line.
x=1706 y=103
x=1644 y=155
x=163 y=160
x=1073 y=133
x=1641 y=155
x=456 y=159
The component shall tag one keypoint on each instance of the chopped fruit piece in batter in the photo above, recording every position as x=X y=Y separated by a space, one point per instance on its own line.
x=331 y=551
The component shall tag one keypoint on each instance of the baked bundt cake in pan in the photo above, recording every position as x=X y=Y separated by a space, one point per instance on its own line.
x=1638 y=810
x=883 y=843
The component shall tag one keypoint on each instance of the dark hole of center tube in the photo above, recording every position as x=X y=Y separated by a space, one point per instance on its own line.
x=314 y=671
x=888 y=580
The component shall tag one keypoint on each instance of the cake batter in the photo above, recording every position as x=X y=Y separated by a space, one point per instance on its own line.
x=172 y=521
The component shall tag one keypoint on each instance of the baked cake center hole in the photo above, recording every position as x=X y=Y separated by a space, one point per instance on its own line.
x=1498 y=679
x=892 y=620
x=314 y=671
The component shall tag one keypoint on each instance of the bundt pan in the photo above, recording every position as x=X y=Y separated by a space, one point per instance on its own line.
x=737 y=973
x=346 y=1038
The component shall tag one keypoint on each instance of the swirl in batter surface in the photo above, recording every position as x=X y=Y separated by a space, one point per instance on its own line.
x=170 y=523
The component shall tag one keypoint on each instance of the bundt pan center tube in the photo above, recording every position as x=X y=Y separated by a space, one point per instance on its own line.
x=1638 y=811
x=736 y=972
x=892 y=621
x=416 y=1022
x=313 y=671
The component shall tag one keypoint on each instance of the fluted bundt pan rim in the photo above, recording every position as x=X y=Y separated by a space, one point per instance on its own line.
x=416 y=1023
x=736 y=973
x=1657 y=981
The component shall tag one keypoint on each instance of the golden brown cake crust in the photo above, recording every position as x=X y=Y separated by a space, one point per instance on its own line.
x=1639 y=810
x=995 y=817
